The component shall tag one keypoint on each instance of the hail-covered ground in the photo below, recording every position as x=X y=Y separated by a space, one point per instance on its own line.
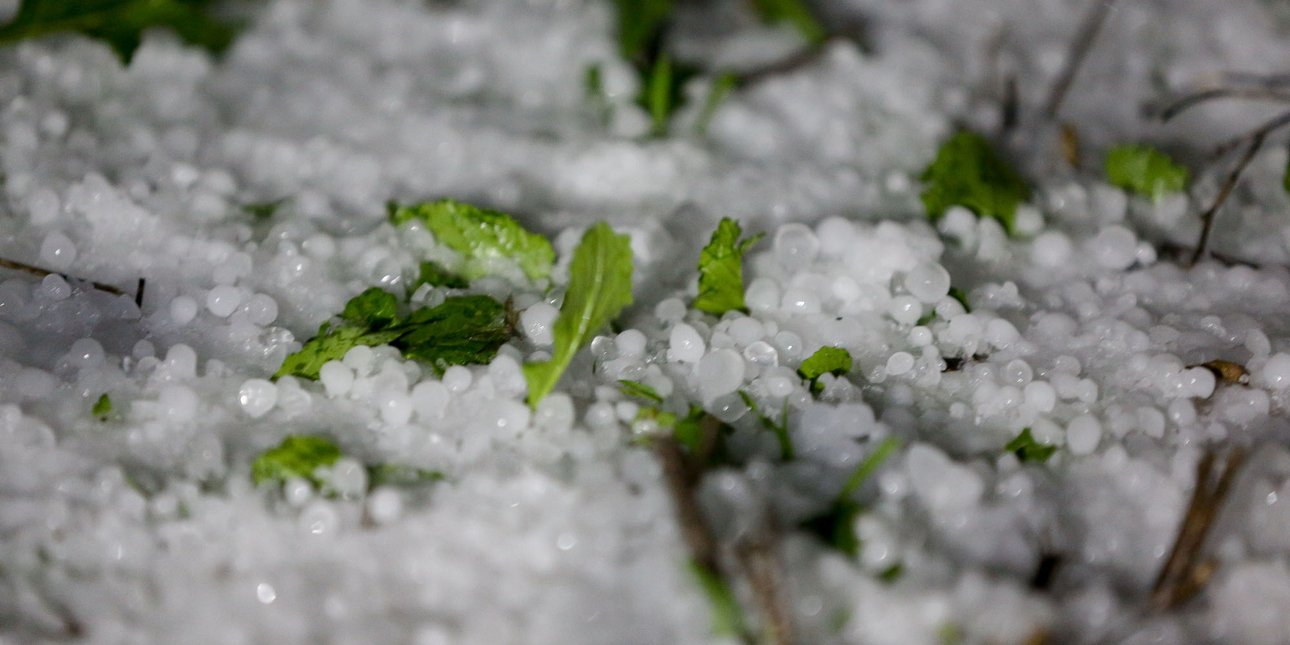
x=555 y=524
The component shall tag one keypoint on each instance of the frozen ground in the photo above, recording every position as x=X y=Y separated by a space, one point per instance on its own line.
x=555 y=526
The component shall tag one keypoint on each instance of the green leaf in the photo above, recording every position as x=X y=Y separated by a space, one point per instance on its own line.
x=640 y=26
x=825 y=360
x=395 y=475
x=481 y=236
x=727 y=616
x=968 y=172
x=1028 y=449
x=794 y=12
x=868 y=467
x=297 y=456
x=1285 y=180
x=780 y=428
x=961 y=296
x=464 y=330
x=375 y=308
x=600 y=286
x=331 y=344
x=639 y=390
x=102 y=409
x=120 y=23
x=836 y=527
x=435 y=275
x=721 y=272
x=722 y=86
x=262 y=211
x=1144 y=170
x=689 y=430
x=893 y=573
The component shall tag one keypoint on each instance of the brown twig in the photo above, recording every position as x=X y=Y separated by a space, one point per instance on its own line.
x=35 y=270
x=1079 y=49
x=791 y=63
x=1187 y=570
x=765 y=573
x=1191 y=100
x=1261 y=132
x=1233 y=178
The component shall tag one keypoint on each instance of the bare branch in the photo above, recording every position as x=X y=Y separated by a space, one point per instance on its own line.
x=35 y=270
x=1233 y=178
x=1079 y=49
x=1192 y=100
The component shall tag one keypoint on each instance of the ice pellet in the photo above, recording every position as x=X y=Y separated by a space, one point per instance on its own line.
x=257 y=397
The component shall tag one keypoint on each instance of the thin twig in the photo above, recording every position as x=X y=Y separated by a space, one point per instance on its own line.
x=138 y=292
x=35 y=270
x=1261 y=132
x=1187 y=570
x=1233 y=178
x=1261 y=80
x=790 y=63
x=765 y=573
x=1191 y=100
x=1080 y=47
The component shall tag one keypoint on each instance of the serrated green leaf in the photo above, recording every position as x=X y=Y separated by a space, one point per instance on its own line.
x=331 y=344
x=435 y=275
x=968 y=172
x=795 y=13
x=600 y=286
x=464 y=330
x=721 y=272
x=1144 y=170
x=639 y=390
x=481 y=236
x=1028 y=449
x=375 y=309
x=120 y=23
x=825 y=360
x=102 y=409
x=297 y=456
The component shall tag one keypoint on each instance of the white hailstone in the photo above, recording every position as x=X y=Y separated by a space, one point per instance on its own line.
x=928 y=282
x=899 y=363
x=348 y=478
x=795 y=246
x=626 y=410
x=942 y=484
x=1199 y=382
x=1276 y=371
x=845 y=289
x=630 y=342
x=1018 y=372
x=430 y=399
x=685 y=345
x=779 y=386
x=319 y=245
x=600 y=415
x=720 y=372
x=395 y=407
x=183 y=310
x=457 y=379
x=43 y=206
x=762 y=354
x=1115 y=247
x=670 y=310
x=1001 y=333
x=319 y=518
x=181 y=361
x=297 y=491
x=337 y=379
x=905 y=310
x=1028 y=220
x=920 y=336
x=1040 y=396
x=762 y=295
x=836 y=236
x=223 y=300
x=788 y=344
x=53 y=287
x=385 y=505
x=966 y=328
x=746 y=330
x=1151 y=422
x=1051 y=249
x=1083 y=434
x=257 y=397
x=58 y=252
x=262 y=309
x=177 y=403
x=536 y=321
x=36 y=384
x=361 y=359
x=800 y=301
x=555 y=413
x=85 y=352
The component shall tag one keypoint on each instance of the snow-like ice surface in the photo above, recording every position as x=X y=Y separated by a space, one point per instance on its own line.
x=553 y=525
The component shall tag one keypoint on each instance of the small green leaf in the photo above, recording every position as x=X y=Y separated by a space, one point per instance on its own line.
x=727 y=616
x=375 y=309
x=464 y=330
x=600 y=286
x=435 y=275
x=331 y=344
x=297 y=456
x=1028 y=449
x=780 y=428
x=481 y=236
x=665 y=420
x=102 y=409
x=795 y=13
x=262 y=211
x=395 y=475
x=640 y=25
x=722 y=86
x=968 y=172
x=639 y=390
x=892 y=573
x=721 y=272
x=825 y=360
x=868 y=467
x=836 y=527
x=120 y=23
x=1144 y=170
x=689 y=430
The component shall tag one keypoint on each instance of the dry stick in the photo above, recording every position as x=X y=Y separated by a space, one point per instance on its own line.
x=765 y=574
x=35 y=270
x=1233 y=178
x=1272 y=125
x=1080 y=47
x=1185 y=572
x=1191 y=100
